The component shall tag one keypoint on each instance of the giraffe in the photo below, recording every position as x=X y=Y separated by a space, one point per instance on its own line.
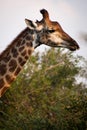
x=13 y=58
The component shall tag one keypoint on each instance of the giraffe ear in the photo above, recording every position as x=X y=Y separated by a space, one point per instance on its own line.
x=32 y=25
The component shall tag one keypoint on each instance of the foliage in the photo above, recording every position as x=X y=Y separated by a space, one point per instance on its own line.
x=46 y=95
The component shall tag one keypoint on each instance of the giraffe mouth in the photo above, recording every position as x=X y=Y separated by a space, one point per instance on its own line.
x=71 y=46
x=74 y=46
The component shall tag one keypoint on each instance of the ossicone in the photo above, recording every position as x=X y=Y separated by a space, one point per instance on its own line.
x=45 y=14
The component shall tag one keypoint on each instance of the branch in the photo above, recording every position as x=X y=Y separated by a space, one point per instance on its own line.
x=54 y=66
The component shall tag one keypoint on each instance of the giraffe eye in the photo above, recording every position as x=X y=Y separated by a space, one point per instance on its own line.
x=51 y=31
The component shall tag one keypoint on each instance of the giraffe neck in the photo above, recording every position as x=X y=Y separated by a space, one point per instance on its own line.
x=14 y=57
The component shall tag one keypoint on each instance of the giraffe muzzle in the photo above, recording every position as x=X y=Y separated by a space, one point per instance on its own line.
x=69 y=43
x=73 y=46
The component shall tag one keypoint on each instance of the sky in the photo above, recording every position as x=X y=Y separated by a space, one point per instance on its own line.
x=71 y=14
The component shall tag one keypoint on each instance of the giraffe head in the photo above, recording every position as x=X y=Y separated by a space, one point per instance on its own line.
x=51 y=33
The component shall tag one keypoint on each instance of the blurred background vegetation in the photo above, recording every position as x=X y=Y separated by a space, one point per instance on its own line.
x=49 y=94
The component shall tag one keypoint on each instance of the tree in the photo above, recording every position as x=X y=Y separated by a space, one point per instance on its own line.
x=46 y=95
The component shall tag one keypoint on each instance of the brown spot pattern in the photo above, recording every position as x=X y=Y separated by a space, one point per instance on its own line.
x=8 y=79
x=2 y=69
x=29 y=44
x=17 y=71
x=23 y=53
x=12 y=65
x=1 y=83
x=18 y=43
x=29 y=51
x=25 y=34
x=6 y=58
x=14 y=52
x=21 y=61
x=21 y=48
x=26 y=57
x=28 y=37
x=23 y=42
